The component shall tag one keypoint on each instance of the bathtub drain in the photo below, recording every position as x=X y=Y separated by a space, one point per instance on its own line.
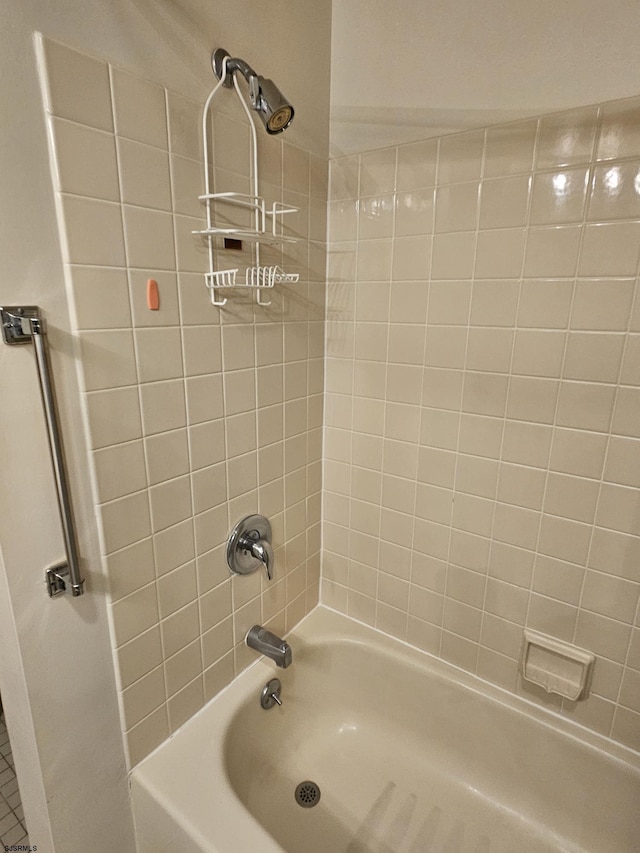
x=307 y=794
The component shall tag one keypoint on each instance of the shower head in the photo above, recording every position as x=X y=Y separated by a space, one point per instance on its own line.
x=275 y=112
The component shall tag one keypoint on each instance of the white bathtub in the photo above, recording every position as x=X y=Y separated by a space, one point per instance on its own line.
x=410 y=755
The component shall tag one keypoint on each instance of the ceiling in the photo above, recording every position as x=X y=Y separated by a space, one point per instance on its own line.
x=408 y=69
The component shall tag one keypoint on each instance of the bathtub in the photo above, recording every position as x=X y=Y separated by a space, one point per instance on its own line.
x=405 y=754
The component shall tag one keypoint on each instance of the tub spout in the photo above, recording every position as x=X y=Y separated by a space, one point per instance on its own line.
x=268 y=644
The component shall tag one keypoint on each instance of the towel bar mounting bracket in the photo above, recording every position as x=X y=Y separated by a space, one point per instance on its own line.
x=55 y=579
x=17 y=324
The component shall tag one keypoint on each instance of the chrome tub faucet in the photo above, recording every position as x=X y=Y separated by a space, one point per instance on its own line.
x=268 y=644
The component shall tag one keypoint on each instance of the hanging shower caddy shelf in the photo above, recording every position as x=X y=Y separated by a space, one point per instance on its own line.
x=267 y=220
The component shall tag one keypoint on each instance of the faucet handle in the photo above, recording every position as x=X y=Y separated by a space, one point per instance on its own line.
x=249 y=545
x=262 y=550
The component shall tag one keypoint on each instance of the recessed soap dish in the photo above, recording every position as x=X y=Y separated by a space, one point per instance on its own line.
x=556 y=666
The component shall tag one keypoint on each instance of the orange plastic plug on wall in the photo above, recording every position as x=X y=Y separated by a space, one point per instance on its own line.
x=153 y=295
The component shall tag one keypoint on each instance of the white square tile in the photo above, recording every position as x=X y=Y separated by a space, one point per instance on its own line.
x=174 y=546
x=191 y=249
x=584 y=405
x=500 y=253
x=456 y=207
x=504 y=202
x=580 y=453
x=192 y=292
x=184 y=126
x=239 y=391
x=167 y=455
x=453 y=256
x=185 y=703
x=183 y=667
x=170 y=503
x=615 y=192
x=552 y=252
x=144 y=175
x=618 y=509
x=545 y=304
x=108 y=359
x=206 y=444
x=140 y=108
x=217 y=641
x=559 y=197
x=86 y=161
x=180 y=629
x=204 y=398
x=147 y=735
x=602 y=305
x=77 y=86
x=177 y=589
x=375 y=217
x=143 y=697
x=566 y=138
x=125 y=521
x=93 y=231
x=619 y=130
x=509 y=148
x=159 y=354
x=130 y=569
x=139 y=656
x=209 y=487
x=120 y=470
x=114 y=416
x=187 y=184
x=570 y=497
x=100 y=298
x=163 y=406
x=149 y=236
x=593 y=357
x=414 y=211
x=610 y=249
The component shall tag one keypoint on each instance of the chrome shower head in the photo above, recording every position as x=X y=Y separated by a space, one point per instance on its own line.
x=276 y=113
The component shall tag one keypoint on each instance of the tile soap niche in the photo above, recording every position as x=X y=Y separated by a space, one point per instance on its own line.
x=241 y=216
x=555 y=666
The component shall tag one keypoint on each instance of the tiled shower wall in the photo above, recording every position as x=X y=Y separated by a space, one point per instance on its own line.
x=196 y=415
x=483 y=402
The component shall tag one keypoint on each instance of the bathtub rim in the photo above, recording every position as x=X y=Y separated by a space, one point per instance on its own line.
x=324 y=624
x=479 y=686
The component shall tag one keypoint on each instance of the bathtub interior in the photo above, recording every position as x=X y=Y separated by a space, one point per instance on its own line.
x=409 y=754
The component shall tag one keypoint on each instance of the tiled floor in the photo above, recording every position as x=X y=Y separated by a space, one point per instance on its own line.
x=13 y=830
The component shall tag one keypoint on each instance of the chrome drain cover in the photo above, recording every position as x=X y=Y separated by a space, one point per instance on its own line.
x=307 y=794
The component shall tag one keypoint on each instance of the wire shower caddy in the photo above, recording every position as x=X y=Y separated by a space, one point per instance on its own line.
x=267 y=219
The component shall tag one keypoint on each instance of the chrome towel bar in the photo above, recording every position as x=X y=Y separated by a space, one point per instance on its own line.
x=24 y=325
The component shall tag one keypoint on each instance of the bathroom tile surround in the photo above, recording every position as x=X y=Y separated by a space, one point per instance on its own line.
x=482 y=444
x=195 y=415
x=481 y=423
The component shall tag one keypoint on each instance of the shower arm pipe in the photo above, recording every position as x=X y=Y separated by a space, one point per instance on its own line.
x=24 y=325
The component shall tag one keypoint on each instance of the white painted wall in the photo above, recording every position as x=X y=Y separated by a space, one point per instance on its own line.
x=56 y=672
x=412 y=69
